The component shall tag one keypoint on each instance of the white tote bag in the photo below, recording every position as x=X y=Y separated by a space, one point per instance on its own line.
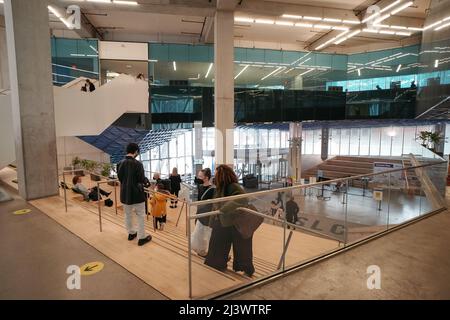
x=200 y=238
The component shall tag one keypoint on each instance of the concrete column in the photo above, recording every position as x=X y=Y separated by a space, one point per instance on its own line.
x=295 y=151
x=324 y=145
x=28 y=38
x=4 y=75
x=198 y=146
x=224 y=87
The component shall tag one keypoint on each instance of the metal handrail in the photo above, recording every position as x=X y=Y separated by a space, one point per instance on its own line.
x=265 y=216
x=306 y=186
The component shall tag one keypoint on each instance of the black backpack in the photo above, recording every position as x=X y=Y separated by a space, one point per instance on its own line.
x=109 y=203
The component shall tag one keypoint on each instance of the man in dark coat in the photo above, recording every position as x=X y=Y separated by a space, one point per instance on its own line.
x=132 y=178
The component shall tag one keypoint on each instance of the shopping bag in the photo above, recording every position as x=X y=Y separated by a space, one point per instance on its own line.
x=200 y=238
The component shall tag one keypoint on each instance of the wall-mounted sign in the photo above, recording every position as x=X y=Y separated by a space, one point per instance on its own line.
x=378 y=194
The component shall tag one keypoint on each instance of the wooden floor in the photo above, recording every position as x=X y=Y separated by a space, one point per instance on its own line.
x=163 y=263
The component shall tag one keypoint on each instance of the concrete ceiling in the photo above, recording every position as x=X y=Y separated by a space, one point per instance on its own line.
x=183 y=21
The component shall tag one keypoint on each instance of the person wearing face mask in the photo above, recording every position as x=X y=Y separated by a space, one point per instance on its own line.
x=132 y=178
x=202 y=231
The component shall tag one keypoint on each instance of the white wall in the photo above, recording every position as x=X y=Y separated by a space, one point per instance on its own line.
x=123 y=50
x=70 y=147
x=80 y=113
x=4 y=75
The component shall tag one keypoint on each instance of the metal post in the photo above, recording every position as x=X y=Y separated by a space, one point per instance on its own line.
x=188 y=228
x=284 y=241
x=64 y=188
x=99 y=207
x=115 y=194
x=186 y=217
x=346 y=223
x=283 y=256
x=179 y=214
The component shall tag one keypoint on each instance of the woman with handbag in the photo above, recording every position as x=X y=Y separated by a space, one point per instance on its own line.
x=224 y=232
x=202 y=232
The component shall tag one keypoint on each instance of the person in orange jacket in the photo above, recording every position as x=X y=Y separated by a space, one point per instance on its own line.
x=158 y=205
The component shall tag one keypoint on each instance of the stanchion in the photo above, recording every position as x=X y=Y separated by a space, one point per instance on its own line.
x=65 y=193
x=99 y=207
x=188 y=230
x=179 y=214
x=115 y=194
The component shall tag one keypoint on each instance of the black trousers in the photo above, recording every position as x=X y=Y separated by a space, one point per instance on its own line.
x=222 y=238
x=93 y=195
x=174 y=202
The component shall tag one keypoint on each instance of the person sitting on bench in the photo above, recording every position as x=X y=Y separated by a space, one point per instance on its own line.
x=88 y=194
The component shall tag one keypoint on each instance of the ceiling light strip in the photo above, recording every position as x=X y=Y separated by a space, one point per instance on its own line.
x=240 y=72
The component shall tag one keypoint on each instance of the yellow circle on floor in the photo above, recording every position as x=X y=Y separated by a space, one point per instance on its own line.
x=91 y=268
x=22 y=211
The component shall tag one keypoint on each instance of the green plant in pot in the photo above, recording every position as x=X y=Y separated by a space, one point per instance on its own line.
x=435 y=139
x=91 y=166
x=77 y=164
x=424 y=138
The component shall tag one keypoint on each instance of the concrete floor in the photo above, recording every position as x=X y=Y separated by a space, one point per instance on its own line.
x=414 y=264
x=36 y=251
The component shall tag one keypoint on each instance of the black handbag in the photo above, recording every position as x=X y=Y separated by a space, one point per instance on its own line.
x=247 y=223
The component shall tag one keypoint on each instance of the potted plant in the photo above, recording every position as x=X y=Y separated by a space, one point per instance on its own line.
x=424 y=138
x=91 y=166
x=435 y=139
x=77 y=164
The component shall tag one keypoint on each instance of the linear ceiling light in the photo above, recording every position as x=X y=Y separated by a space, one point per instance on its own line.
x=398 y=68
x=442 y=26
x=291 y=16
x=359 y=72
x=174 y=66
x=402 y=7
x=277 y=69
x=244 y=19
x=129 y=3
x=351 y=21
x=284 y=23
x=341 y=28
x=401 y=33
x=304 y=25
x=240 y=72
x=102 y=1
x=312 y=18
x=393 y=4
x=332 y=20
x=209 y=70
x=264 y=21
x=387 y=32
x=436 y=63
x=307 y=71
x=322 y=26
x=382 y=18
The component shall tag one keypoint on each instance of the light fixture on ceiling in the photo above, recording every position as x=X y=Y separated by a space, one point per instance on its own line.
x=436 y=63
x=402 y=7
x=209 y=70
x=244 y=19
x=351 y=21
x=386 y=32
x=101 y=1
x=322 y=26
x=264 y=21
x=93 y=48
x=359 y=72
x=442 y=26
x=128 y=3
x=291 y=16
x=332 y=20
x=393 y=4
x=306 y=72
x=265 y=77
x=398 y=68
x=342 y=39
x=152 y=60
x=174 y=66
x=198 y=77
x=240 y=72
x=304 y=25
x=312 y=18
x=284 y=23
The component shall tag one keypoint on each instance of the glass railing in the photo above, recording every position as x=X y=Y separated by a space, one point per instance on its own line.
x=302 y=223
x=299 y=224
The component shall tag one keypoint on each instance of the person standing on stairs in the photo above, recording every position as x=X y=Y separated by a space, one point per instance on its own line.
x=175 y=186
x=132 y=178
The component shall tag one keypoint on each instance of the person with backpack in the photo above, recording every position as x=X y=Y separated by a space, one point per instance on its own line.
x=132 y=195
x=175 y=186
x=224 y=230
